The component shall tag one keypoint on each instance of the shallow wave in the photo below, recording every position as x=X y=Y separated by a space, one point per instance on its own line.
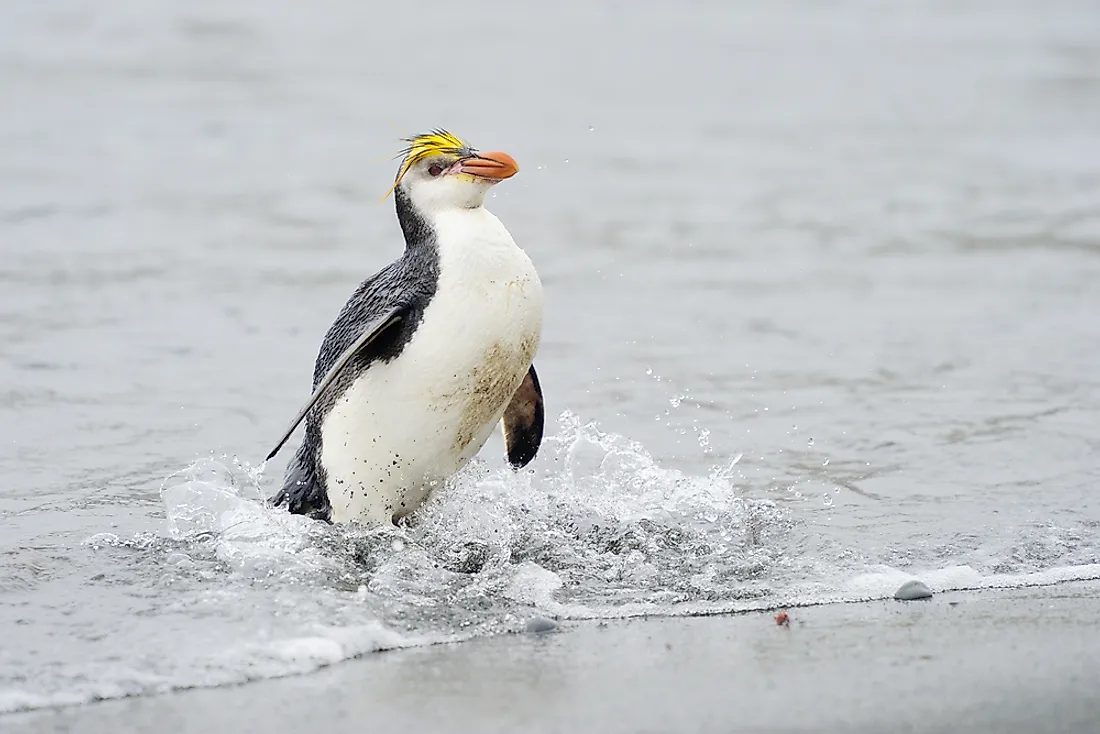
x=231 y=590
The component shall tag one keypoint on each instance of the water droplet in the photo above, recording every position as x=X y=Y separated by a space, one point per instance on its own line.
x=398 y=545
x=566 y=160
x=591 y=129
x=827 y=499
x=811 y=442
x=649 y=370
x=794 y=428
x=675 y=401
x=825 y=463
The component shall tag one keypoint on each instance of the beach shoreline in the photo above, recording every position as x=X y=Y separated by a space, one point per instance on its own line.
x=998 y=660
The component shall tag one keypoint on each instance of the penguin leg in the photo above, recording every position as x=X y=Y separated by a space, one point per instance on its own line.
x=523 y=421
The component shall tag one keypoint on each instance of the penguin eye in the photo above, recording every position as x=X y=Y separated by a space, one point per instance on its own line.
x=435 y=169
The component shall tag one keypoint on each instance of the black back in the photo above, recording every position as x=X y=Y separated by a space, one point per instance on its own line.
x=408 y=283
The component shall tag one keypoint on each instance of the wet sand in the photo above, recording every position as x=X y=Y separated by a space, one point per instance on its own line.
x=1024 y=660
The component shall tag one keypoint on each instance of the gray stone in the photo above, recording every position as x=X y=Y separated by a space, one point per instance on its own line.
x=537 y=625
x=913 y=590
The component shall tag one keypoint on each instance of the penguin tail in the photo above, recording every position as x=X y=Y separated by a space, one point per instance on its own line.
x=303 y=492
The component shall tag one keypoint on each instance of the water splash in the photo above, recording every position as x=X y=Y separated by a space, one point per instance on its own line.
x=596 y=528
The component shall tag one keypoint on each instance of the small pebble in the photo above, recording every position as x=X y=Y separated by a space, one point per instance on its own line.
x=783 y=619
x=538 y=625
x=913 y=590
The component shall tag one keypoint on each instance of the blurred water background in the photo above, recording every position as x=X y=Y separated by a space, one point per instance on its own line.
x=823 y=281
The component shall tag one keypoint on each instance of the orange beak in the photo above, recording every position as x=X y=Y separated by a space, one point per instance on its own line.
x=496 y=166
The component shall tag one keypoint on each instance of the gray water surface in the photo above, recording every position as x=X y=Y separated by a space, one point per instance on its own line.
x=822 y=285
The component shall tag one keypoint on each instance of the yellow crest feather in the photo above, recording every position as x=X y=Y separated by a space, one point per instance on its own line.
x=437 y=142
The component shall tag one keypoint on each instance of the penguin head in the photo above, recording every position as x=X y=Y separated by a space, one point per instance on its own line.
x=441 y=171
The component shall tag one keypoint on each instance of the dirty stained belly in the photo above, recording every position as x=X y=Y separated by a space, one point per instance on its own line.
x=403 y=427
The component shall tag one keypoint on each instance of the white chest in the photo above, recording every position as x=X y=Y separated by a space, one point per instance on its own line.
x=406 y=425
x=488 y=304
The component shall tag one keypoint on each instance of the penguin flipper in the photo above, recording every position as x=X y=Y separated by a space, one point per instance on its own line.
x=373 y=330
x=523 y=420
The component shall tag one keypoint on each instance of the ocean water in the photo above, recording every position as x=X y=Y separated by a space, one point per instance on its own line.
x=822 y=287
